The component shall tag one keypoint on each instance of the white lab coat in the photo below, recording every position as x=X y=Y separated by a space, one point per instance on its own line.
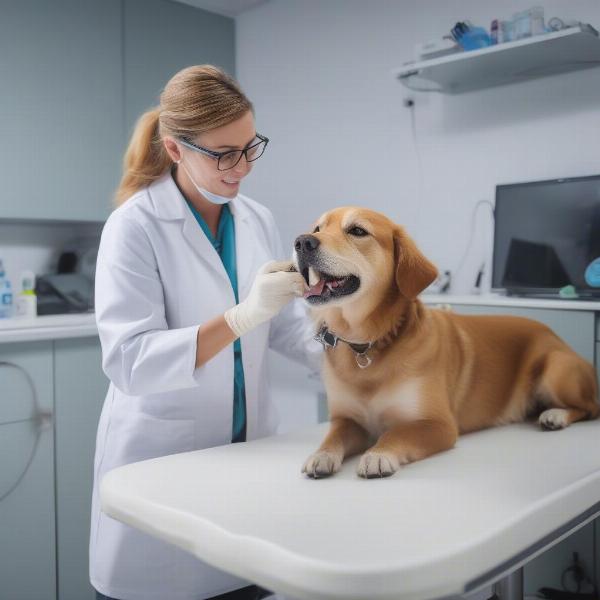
x=157 y=279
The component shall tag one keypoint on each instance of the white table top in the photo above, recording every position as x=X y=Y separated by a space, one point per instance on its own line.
x=451 y=523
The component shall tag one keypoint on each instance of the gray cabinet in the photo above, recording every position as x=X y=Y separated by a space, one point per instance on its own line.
x=61 y=108
x=576 y=327
x=27 y=526
x=50 y=402
x=79 y=390
x=163 y=37
x=75 y=75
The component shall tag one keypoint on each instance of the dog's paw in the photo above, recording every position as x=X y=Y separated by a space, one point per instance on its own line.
x=554 y=418
x=322 y=464
x=377 y=464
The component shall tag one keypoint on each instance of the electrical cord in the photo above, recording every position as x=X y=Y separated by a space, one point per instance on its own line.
x=41 y=419
x=578 y=575
x=413 y=122
x=413 y=128
x=472 y=234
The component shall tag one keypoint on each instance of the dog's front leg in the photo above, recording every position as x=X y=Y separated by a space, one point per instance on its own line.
x=344 y=438
x=406 y=443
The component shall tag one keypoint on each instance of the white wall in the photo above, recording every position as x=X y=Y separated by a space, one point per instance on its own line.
x=319 y=74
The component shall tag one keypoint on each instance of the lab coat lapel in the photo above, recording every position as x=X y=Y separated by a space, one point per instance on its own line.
x=170 y=205
x=196 y=238
x=245 y=248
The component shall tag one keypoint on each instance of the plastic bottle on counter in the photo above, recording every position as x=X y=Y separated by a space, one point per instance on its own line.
x=6 y=296
x=27 y=300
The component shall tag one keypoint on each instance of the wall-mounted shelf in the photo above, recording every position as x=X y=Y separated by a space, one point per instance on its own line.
x=547 y=54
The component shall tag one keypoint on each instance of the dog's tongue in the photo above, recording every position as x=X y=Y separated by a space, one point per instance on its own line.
x=315 y=290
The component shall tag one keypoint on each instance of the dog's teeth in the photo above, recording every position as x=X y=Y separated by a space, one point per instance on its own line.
x=313 y=277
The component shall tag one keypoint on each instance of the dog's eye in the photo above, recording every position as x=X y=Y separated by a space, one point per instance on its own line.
x=358 y=231
x=316 y=229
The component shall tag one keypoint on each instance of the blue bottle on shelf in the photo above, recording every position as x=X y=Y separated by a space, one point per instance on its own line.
x=474 y=38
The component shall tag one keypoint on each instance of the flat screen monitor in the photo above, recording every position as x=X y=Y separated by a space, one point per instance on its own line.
x=546 y=233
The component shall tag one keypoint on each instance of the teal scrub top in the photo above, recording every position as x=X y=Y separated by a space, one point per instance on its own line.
x=224 y=244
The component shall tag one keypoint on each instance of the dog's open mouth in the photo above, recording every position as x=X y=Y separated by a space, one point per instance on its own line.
x=324 y=287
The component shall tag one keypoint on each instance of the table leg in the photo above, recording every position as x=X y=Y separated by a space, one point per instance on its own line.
x=509 y=587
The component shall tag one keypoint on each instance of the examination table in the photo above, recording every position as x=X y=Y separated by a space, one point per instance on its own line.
x=444 y=526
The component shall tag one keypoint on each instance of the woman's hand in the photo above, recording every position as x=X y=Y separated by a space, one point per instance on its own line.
x=275 y=284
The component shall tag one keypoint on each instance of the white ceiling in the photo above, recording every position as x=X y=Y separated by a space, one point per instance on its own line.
x=228 y=8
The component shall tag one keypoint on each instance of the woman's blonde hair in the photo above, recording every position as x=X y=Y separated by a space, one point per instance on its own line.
x=195 y=100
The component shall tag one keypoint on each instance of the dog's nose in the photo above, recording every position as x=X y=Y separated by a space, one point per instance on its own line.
x=306 y=243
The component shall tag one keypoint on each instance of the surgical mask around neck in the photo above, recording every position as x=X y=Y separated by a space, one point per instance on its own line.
x=214 y=198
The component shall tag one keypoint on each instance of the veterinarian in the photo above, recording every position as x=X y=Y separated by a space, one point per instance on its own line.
x=188 y=301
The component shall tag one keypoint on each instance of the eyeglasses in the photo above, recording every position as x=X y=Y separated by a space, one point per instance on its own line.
x=227 y=160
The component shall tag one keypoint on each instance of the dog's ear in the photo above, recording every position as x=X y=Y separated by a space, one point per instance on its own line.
x=414 y=272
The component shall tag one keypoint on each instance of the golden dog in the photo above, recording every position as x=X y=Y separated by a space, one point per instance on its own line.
x=404 y=381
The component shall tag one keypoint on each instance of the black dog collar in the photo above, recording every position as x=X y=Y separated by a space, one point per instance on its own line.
x=329 y=339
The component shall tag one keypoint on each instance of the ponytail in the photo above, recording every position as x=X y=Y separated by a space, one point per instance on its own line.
x=145 y=159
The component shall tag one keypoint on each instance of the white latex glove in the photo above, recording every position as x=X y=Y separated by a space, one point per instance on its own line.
x=273 y=287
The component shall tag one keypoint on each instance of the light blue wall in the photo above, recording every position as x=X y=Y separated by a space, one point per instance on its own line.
x=75 y=75
x=162 y=37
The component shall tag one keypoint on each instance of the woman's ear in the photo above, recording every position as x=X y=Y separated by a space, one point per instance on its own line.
x=172 y=149
x=414 y=272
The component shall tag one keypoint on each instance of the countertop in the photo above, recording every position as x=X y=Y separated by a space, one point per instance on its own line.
x=50 y=327
x=84 y=324
x=510 y=301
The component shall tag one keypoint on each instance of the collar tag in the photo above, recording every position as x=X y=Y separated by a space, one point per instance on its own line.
x=330 y=340
x=363 y=360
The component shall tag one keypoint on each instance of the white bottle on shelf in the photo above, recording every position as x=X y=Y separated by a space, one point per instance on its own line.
x=6 y=296
x=27 y=300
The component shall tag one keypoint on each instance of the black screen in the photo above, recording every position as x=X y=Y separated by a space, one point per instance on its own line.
x=546 y=234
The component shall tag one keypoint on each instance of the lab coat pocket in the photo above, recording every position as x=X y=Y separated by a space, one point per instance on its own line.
x=140 y=436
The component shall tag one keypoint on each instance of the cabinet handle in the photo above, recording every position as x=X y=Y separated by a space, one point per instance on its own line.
x=43 y=419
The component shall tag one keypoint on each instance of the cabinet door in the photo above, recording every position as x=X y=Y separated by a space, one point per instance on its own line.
x=163 y=37
x=575 y=327
x=27 y=534
x=80 y=387
x=61 y=108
